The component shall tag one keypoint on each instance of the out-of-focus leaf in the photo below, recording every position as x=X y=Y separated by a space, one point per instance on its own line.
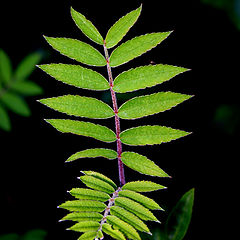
x=10 y=236
x=26 y=88
x=35 y=234
x=5 y=123
x=5 y=67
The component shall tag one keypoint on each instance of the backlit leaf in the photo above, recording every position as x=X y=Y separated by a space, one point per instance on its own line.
x=142 y=186
x=26 y=88
x=83 y=216
x=87 y=129
x=86 y=226
x=5 y=67
x=77 y=50
x=114 y=233
x=88 y=235
x=4 y=119
x=136 y=47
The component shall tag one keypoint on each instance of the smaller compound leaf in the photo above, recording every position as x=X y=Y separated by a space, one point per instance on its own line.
x=76 y=75
x=83 y=206
x=150 y=104
x=124 y=227
x=79 y=106
x=142 y=186
x=135 y=208
x=150 y=135
x=143 y=200
x=121 y=27
x=114 y=233
x=136 y=47
x=26 y=88
x=85 y=226
x=86 y=27
x=88 y=235
x=83 y=193
x=77 y=50
x=130 y=218
x=145 y=76
x=93 y=153
x=142 y=164
x=5 y=123
x=5 y=67
x=83 y=216
x=87 y=129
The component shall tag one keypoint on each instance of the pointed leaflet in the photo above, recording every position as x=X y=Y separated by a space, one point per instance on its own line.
x=143 y=200
x=87 y=129
x=77 y=50
x=79 y=106
x=142 y=164
x=4 y=119
x=26 y=88
x=121 y=27
x=136 y=47
x=150 y=104
x=180 y=217
x=86 y=27
x=93 y=153
x=86 y=226
x=145 y=76
x=142 y=186
x=88 y=235
x=114 y=233
x=124 y=227
x=83 y=216
x=135 y=208
x=76 y=75
x=150 y=135
x=5 y=67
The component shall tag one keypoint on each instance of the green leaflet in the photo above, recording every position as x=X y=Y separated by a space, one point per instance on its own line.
x=93 y=153
x=150 y=104
x=143 y=200
x=116 y=234
x=127 y=229
x=5 y=67
x=136 y=47
x=135 y=208
x=4 y=119
x=76 y=75
x=85 y=226
x=150 y=135
x=142 y=186
x=130 y=218
x=86 y=27
x=26 y=88
x=87 y=129
x=79 y=106
x=121 y=27
x=88 y=235
x=83 y=216
x=77 y=50
x=145 y=76
x=83 y=205
x=142 y=164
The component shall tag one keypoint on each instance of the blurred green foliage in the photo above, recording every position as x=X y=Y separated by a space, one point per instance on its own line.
x=14 y=86
x=35 y=234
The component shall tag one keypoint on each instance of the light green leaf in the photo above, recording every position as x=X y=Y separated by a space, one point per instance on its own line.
x=116 y=234
x=142 y=186
x=97 y=184
x=135 y=208
x=88 y=235
x=142 y=164
x=121 y=27
x=124 y=227
x=179 y=218
x=26 y=88
x=130 y=218
x=86 y=226
x=83 y=216
x=4 y=120
x=77 y=50
x=16 y=104
x=27 y=66
x=79 y=106
x=145 y=76
x=150 y=135
x=83 y=193
x=93 y=153
x=83 y=206
x=143 y=200
x=150 y=104
x=5 y=67
x=76 y=75
x=87 y=129
x=86 y=27
x=136 y=47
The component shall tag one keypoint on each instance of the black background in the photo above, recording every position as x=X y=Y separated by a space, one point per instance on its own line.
x=35 y=179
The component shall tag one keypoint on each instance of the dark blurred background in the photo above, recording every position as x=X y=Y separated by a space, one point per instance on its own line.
x=34 y=178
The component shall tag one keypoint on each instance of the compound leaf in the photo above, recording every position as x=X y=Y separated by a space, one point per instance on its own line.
x=79 y=106
x=150 y=135
x=145 y=76
x=136 y=47
x=86 y=27
x=77 y=50
x=5 y=67
x=83 y=216
x=87 y=129
x=26 y=88
x=142 y=164
x=114 y=233
x=150 y=104
x=76 y=75
x=86 y=226
x=4 y=120
x=142 y=186
x=121 y=27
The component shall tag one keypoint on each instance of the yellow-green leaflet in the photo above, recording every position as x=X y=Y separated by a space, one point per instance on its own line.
x=83 y=216
x=85 y=226
x=114 y=233
x=142 y=186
